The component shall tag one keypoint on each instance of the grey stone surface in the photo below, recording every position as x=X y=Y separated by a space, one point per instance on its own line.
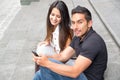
x=28 y=28
x=27 y=2
x=109 y=11
x=8 y=10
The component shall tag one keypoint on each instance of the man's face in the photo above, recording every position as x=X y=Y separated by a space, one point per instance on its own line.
x=79 y=24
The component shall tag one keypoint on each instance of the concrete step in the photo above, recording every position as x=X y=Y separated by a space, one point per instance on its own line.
x=108 y=11
x=8 y=10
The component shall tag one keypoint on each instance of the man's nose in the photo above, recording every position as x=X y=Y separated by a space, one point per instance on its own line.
x=74 y=26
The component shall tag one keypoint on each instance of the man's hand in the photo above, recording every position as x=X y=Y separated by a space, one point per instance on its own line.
x=41 y=60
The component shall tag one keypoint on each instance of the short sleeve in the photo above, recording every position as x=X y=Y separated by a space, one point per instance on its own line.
x=90 y=50
x=73 y=43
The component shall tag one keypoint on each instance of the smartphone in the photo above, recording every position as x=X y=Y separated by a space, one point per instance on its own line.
x=34 y=52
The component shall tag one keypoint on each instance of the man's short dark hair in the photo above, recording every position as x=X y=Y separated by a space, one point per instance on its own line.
x=82 y=10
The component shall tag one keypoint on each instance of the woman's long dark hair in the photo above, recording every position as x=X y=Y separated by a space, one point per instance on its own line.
x=65 y=31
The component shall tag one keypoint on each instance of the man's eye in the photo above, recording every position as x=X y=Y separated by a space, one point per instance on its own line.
x=80 y=22
x=72 y=22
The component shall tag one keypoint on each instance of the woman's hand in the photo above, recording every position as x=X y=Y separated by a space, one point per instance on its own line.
x=44 y=42
x=41 y=60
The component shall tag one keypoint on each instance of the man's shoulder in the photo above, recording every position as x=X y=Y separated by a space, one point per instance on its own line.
x=95 y=40
x=96 y=37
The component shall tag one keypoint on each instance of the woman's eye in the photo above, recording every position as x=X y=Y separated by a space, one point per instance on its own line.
x=58 y=17
x=52 y=14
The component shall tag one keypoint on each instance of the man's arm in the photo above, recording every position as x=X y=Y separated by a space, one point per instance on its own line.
x=65 y=55
x=74 y=71
x=80 y=65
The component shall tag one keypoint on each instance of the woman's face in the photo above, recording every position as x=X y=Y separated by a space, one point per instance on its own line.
x=55 y=17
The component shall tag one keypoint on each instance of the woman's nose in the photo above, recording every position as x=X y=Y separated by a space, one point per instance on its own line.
x=54 y=18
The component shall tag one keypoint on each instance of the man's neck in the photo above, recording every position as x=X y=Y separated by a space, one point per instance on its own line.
x=82 y=37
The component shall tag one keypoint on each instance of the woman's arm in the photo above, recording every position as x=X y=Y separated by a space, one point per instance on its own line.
x=68 y=42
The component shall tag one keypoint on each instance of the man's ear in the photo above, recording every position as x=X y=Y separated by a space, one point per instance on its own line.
x=90 y=23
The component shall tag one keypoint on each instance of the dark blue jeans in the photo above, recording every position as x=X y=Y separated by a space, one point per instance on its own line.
x=46 y=74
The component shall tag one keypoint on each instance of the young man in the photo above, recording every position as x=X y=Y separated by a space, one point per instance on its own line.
x=89 y=47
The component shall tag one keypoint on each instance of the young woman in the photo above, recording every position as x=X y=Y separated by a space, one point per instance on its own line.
x=59 y=34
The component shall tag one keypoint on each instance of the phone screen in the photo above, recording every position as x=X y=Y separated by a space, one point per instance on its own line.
x=34 y=52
